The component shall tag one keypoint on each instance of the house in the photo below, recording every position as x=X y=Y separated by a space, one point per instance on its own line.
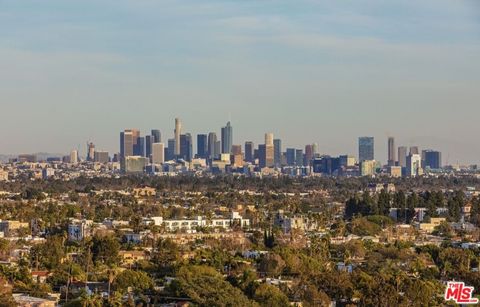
x=430 y=227
x=131 y=257
x=23 y=300
x=39 y=276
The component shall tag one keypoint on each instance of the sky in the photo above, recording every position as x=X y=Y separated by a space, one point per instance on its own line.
x=306 y=70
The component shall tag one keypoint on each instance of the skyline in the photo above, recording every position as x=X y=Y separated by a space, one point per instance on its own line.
x=380 y=148
x=309 y=72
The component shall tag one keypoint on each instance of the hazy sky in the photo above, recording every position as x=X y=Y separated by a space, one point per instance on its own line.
x=308 y=71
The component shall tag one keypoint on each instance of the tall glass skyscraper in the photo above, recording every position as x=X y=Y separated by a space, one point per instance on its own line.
x=366 y=148
x=212 y=140
x=202 y=146
x=227 y=138
x=277 y=152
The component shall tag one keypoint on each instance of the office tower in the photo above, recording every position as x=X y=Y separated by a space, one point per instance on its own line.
x=299 y=157
x=366 y=148
x=391 y=151
x=148 y=145
x=156 y=136
x=90 y=151
x=291 y=159
x=308 y=155
x=269 y=154
x=347 y=161
x=186 y=147
x=139 y=148
x=269 y=139
x=262 y=155
x=367 y=167
x=236 y=149
x=326 y=165
x=414 y=150
x=227 y=138
x=402 y=156
x=128 y=141
x=277 y=152
x=158 y=153
x=414 y=165
x=178 y=132
x=249 y=152
x=73 y=156
x=212 y=140
x=315 y=149
x=101 y=157
x=202 y=146
x=432 y=159
x=170 y=150
x=218 y=149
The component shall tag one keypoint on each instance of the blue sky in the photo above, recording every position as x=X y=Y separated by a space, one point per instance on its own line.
x=308 y=71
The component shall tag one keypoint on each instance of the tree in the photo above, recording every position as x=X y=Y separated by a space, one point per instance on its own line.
x=267 y=295
x=48 y=255
x=206 y=287
x=271 y=265
x=384 y=202
x=6 y=298
x=138 y=281
x=105 y=249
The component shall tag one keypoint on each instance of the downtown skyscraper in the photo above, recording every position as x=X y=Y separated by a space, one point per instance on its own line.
x=391 y=152
x=366 y=148
x=227 y=138
x=177 y=132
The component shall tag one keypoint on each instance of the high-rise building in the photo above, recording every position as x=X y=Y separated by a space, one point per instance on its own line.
x=202 y=146
x=367 y=167
x=347 y=161
x=277 y=152
x=299 y=157
x=402 y=156
x=148 y=145
x=291 y=159
x=178 y=132
x=218 y=149
x=414 y=165
x=262 y=154
x=249 y=152
x=269 y=139
x=139 y=148
x=157 y=136
x=158 y=153
x=170 y=150
x=414 y=150
x=308 y=155
x=266 y=155
x=432 y=159
x=315 y=149
x=366 y=148
x=128 y=142
x=186 y=147
x=74 y=157
x=101 y=157
x=269 y=151
x=236 y=149
x=212 y=140
x=227 y=138
x=391 y=152
x=90 y=151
